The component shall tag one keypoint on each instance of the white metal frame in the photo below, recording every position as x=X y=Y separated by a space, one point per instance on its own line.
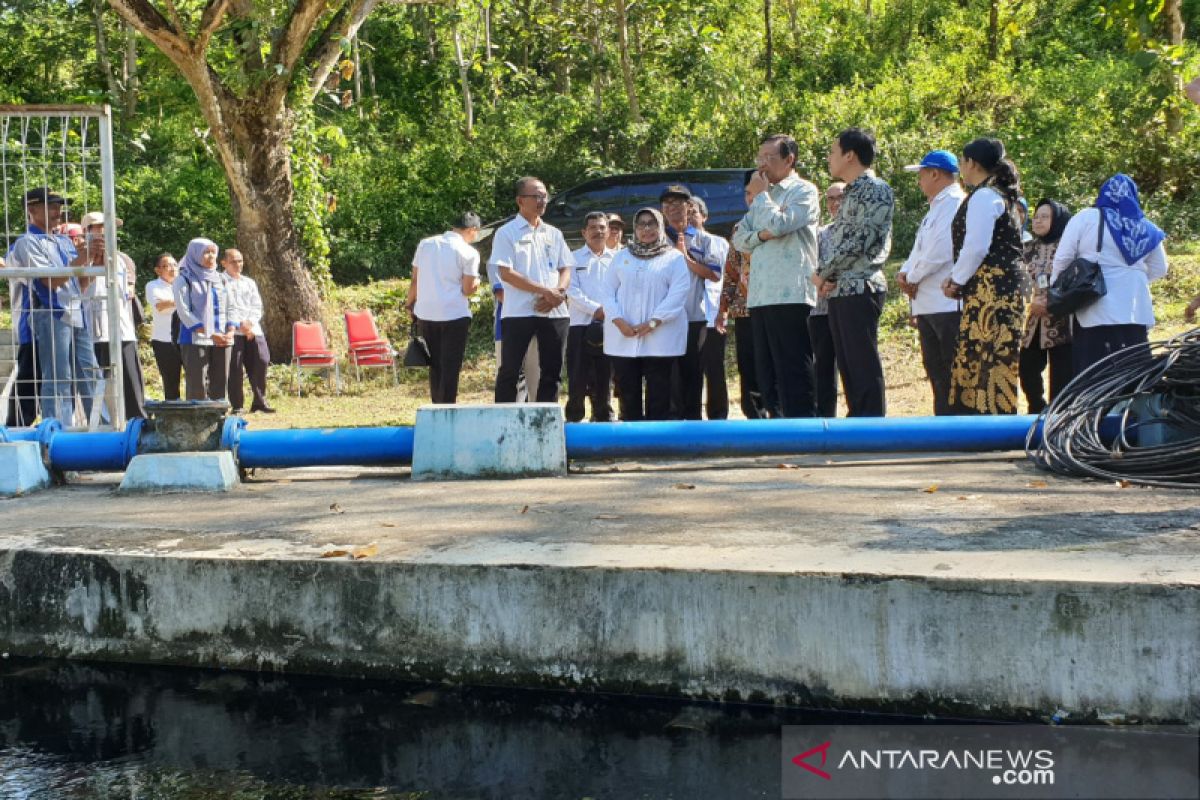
x=102 y=115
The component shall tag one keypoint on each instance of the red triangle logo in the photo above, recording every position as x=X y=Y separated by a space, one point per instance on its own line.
x=802 y=760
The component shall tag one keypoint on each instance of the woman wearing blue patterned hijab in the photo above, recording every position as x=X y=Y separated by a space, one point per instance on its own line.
x=1131 y=257
x=1135 y=236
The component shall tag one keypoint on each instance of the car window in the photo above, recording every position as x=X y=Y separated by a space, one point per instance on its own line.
x=722 y=191
x=641 y=192
x=583 y=199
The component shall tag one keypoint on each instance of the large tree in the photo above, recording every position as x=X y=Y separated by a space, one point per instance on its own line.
x=249 y=62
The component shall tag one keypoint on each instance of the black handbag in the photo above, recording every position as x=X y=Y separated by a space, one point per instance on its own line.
x=1079 y=285
x=417 y=352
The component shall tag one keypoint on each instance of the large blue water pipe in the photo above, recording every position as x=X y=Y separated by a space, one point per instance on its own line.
x=307 y=447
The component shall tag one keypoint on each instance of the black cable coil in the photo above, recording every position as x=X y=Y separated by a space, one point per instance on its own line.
x=1133 y=416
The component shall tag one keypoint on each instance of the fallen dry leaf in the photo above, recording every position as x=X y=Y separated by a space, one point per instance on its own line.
x=335 y=554
x=1123 y=484
x=967 y=497
x=930 y=489
x=789 y=466
x=387 y=524
x=1036 y=485
x=337 y=509
x=684 y=486
x=608 y=516
x=524 y=509
x=366 y=552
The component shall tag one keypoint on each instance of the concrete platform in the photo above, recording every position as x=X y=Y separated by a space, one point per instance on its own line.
x=942 y=585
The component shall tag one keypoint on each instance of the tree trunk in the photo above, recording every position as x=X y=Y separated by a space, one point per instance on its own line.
x=635 y=111
x=559 y=59
x=255 y=151
x=1172 y=16
x=767 y=31
x=993 y=38
x=131 y=77
x=595 y=17
x=464 y=84
x=102 y=58
x=358 y=92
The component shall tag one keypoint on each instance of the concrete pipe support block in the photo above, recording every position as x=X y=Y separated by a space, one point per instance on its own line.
x=181 y=472
x=518 y=440
x=21 y=468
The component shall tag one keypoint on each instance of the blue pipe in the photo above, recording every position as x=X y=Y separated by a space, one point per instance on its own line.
x=312 y=447
x=780 y=436
x=96 y=451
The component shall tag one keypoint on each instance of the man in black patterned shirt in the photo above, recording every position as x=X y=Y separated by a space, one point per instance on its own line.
x=851 y=271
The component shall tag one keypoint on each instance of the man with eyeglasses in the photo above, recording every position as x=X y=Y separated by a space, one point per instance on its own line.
x=780 y=230
x=534 y=264
x=704 y=262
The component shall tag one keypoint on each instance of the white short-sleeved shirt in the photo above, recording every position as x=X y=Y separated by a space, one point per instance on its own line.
x=442 y=262
x=1127 y=300
x=159 y=291
x=932 y=256
x=638 y=290
x=586 y=293
x=538 y=254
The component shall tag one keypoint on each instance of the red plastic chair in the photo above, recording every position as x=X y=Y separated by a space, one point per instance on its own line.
x=310 y=350
x=367 y=348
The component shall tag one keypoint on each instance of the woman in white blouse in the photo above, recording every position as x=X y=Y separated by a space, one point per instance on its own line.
x=645 y=328
x=1131 y=256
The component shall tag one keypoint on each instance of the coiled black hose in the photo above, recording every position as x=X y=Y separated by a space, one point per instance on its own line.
x=1154 y=394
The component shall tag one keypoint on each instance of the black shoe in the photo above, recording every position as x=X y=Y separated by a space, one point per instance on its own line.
x=263 y=410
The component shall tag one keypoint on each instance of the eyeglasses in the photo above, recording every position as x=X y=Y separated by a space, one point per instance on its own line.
x=538 y=197
x=653 y=223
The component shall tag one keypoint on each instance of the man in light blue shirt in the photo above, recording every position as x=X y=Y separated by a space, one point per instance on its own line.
x=780 y=230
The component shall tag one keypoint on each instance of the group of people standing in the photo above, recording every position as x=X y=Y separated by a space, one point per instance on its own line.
x=201 y=320
x=805 y=298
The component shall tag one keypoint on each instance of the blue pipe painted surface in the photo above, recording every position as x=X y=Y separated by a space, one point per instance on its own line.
x=780 y=436
x=95 y=451
x=312 y=447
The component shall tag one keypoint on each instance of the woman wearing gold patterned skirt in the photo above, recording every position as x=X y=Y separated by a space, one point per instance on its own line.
x=988 y=276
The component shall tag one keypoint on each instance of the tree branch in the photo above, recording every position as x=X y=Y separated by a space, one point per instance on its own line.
x=323 y=55
x=210 y=20
x=289 y=45
x=147 y=20
x=177 y=20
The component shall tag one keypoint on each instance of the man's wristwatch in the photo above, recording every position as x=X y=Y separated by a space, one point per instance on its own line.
x=652 y=324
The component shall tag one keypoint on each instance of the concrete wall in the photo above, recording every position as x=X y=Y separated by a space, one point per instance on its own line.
x=999 y=648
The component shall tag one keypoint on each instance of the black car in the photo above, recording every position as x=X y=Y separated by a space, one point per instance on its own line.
x=721 y=189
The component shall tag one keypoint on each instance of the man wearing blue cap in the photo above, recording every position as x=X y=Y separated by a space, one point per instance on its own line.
x=929 y=264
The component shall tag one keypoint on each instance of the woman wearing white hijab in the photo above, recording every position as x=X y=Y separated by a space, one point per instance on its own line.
x=204 y=332
x=645 y=328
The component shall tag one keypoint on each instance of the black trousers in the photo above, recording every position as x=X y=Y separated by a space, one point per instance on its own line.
x=206 y=371
x=939 y=343
x=854 y=322
x=1032 y=361
x=824 y=364
x=743 y=351
x=515 y=334
x=131 y=376
x=712 y=358
x=589 y=373
x=23 y=402
x=657 y=374
x=687 y=377
x=447 y=342
x=170 y=366
x=783 y=359
x=1090 y=345
x=251 y=358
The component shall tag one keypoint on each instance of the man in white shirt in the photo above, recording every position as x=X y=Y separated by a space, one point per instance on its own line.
x=250 y=352
x=164 y=324
x=928 y=265
x=589 y=373
x=534 y=264
x=445 y=275
x=98 y=296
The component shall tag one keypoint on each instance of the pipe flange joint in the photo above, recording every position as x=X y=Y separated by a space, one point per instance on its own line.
x=133 y=438
x=231 y=434
x=46 y=431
